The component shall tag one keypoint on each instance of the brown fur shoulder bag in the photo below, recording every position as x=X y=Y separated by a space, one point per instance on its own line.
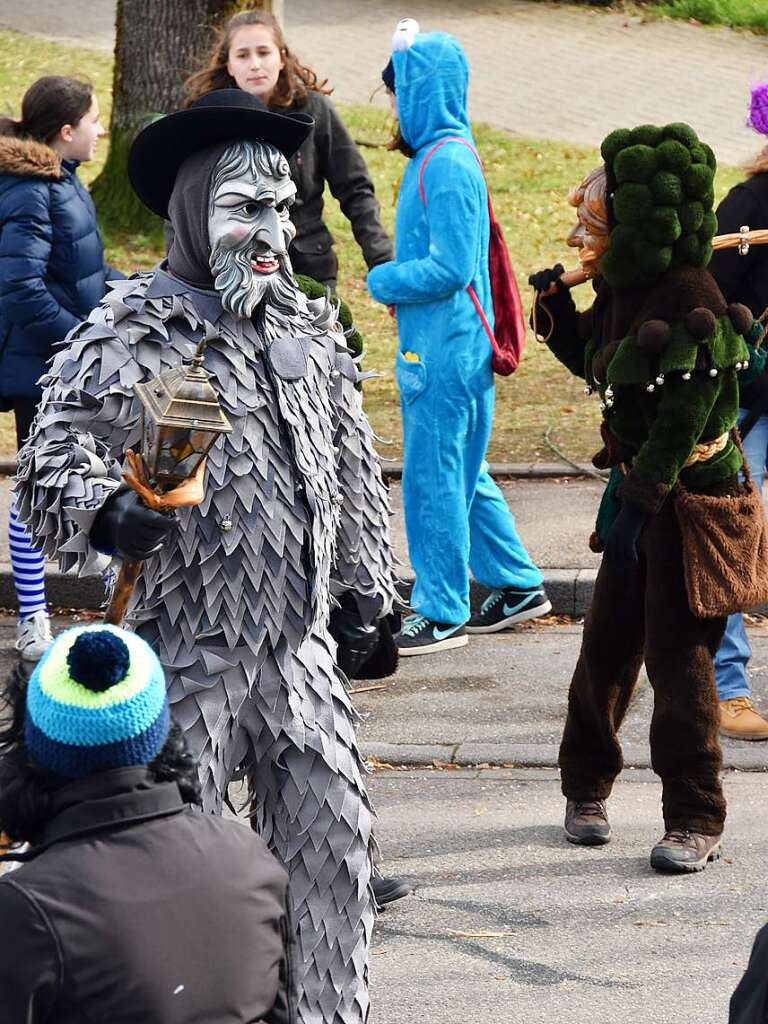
x=725 y=549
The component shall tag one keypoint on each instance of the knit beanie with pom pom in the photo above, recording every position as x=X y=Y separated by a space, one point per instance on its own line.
x=96 y=701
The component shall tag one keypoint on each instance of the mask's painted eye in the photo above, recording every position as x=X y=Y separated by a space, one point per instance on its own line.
x=282 y=209
x=250 y=209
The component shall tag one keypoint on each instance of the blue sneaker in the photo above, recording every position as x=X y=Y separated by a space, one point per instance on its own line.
x=420 y=635
x=503 y=608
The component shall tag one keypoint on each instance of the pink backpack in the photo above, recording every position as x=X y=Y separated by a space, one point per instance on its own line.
x=508 y=341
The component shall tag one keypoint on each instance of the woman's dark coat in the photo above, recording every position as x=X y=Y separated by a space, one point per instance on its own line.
x=749 y=1003
x=330 y=154
x=139 y=909
x=745 y=278
x=52 y=270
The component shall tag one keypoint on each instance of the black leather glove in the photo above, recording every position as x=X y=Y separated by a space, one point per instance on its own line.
x=382 y=662
x=622 y=540
x=542 y=279
x=126 y=527
x=356 y=640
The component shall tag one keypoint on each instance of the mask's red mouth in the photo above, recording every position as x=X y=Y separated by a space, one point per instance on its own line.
x=265 y=263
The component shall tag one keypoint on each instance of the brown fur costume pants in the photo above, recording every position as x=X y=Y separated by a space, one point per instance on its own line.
x=640 y=615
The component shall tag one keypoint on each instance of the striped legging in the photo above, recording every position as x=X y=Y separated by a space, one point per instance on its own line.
x=27 y=562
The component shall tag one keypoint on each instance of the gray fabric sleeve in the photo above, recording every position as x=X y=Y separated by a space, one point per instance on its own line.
x=87 y=417
x=365 y=563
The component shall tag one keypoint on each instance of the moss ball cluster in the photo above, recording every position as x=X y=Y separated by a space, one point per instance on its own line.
x=662 y=197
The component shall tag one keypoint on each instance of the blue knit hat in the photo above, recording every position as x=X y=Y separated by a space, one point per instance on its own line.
x=96 y=701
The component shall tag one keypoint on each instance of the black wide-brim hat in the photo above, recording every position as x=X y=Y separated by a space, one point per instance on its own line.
x=225 y=115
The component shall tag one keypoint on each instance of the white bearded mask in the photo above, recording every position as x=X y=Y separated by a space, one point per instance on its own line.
x=249 y=229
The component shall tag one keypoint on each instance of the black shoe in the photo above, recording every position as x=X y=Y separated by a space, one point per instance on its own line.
x=503 y=608
x=387 y=890
x=421 y=635
x=586 y=822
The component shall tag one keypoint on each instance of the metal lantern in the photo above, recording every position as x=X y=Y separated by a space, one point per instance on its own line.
x=181 y=419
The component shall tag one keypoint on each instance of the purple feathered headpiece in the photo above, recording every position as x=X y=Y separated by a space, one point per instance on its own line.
x=758 y=108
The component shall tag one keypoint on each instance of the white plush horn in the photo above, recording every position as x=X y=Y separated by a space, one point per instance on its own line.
x=405 y=33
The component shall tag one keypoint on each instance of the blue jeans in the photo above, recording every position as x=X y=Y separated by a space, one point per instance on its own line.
x=733 y=657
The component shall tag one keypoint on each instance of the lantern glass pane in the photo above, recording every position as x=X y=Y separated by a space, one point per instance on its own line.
x=181 y=451
x=149 y=442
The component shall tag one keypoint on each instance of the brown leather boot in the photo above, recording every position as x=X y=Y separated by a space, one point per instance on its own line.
x=586 y=822
x=682 y=852
x=741 y=721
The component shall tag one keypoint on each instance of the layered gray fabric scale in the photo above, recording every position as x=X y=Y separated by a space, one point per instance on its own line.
x=237 y=603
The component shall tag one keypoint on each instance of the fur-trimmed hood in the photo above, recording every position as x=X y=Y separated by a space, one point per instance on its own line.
x=26 y=158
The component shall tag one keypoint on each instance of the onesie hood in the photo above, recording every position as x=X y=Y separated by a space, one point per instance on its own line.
x=431 y=81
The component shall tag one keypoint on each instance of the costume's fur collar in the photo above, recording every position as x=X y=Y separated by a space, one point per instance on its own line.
x=677 y=293
x=28 y=159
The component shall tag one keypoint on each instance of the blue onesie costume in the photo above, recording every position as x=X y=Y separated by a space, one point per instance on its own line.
x=455 y=514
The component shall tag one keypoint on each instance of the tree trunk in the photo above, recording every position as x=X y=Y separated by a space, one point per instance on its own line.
x=158 y=44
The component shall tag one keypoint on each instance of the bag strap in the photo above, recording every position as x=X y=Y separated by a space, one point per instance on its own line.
x=423 y=196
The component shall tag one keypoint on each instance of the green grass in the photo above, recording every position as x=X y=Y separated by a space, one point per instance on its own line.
x=529 y=180
x=751 y=14
x=744 y=14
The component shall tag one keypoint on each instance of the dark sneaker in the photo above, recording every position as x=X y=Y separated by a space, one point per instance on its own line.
x=387 y=890
x=421 y=635
x=682 y=852
x=503 y=608
x=586 y=822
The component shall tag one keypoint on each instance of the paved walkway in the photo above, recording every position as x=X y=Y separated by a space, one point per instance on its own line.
x=538 y=69
x=509 y=923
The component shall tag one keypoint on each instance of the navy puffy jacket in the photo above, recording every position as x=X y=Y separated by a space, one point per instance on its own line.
x=52 y=270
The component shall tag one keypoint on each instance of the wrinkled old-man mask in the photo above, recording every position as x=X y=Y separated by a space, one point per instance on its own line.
x=249 y=229
x=591 y=233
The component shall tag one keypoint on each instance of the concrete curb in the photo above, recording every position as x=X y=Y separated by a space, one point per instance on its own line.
x=745 y=757
x=393 y=469
x=569 y=590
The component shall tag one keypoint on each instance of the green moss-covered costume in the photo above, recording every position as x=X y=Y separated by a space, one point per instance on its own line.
x=664 y=352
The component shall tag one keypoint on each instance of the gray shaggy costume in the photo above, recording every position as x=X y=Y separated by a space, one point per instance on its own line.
x=237 y=601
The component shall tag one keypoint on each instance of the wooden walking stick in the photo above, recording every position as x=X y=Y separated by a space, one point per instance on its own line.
x=741 y=240
x=181 y=420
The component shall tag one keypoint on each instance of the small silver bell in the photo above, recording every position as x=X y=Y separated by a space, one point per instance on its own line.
x=609 y=403
x=686 y=375
x=650 y=388
x=609 y=392
x=225 y=524
x=738 y=366
x=660 y=379
x=602 y=407
x=713 y=372
x=588 y=390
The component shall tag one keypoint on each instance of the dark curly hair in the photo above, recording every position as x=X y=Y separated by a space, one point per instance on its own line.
x=26 y=790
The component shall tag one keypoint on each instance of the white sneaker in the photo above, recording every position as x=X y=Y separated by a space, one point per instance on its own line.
x=34 y=636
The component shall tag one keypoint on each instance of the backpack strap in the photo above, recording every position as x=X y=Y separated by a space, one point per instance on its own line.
x=430 y=153
x=423 y=196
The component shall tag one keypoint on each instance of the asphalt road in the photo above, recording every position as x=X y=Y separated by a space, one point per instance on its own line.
x=509 y=924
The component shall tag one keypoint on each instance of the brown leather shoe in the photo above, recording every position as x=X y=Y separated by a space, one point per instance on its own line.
x=683 y=852
x=586 y=822
x=740 y=720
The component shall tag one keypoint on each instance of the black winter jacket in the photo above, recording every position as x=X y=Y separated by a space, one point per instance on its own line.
x=139 y=909
x=330 y=154
x=744 y=278
x=749 y=1003
x=52 y=270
